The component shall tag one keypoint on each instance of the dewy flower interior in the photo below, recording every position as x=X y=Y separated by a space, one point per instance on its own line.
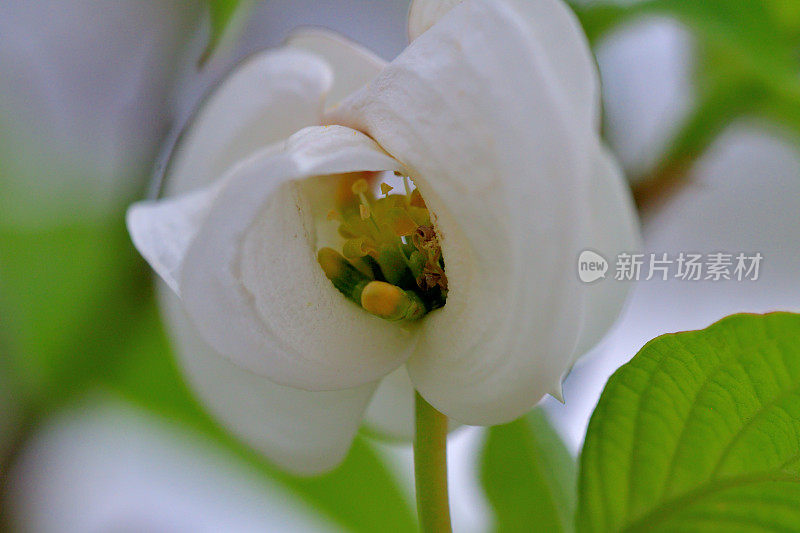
x=278 y=247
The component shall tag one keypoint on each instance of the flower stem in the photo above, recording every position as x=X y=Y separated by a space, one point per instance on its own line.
x=430 y=468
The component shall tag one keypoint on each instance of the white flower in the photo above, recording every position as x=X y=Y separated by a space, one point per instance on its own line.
x=493 y=112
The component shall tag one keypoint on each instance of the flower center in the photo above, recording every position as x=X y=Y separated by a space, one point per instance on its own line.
x=391 y=261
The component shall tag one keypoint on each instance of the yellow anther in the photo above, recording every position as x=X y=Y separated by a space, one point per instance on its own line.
x=404 y=225
x=391 y=302
x=343 y=193
x=354 y=248
x=360 y=186
x=415 y=199
x=381 y=298
x=389 y=238
x=331 y=262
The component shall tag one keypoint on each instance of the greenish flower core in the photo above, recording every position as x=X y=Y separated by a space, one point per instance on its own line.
x=391 y=261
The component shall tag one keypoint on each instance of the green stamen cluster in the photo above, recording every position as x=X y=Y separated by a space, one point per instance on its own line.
x=391 y=262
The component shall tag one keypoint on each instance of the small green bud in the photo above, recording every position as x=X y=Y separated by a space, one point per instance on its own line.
x=393 y=264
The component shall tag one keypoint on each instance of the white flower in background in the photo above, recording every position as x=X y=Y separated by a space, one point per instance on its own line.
x=648 y=76
x=83 y=91
x=493 y=113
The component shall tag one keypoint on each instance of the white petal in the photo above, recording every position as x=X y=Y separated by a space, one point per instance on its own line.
x=353 y=65
x=252 y=284
x=559 y=33
x=162 y=230
x=267 y=98
x=567 y=49
x=391 y=411
x=472 y=111
x=614 y=229
x=305 y=432
x=425 y=13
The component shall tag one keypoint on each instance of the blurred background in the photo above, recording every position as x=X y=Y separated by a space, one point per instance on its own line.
x=98 y=432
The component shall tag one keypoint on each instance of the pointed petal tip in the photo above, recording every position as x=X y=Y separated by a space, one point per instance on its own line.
x=161 y=230
x=141 y=230
x=557 y=392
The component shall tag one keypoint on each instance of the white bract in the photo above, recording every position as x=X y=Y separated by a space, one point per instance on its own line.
x=493 y=112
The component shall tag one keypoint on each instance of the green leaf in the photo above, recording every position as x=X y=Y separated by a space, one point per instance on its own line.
x=600 y=19
x=712 y=114
x=699 y=432
x=58 y=286
x=529 y=476
x=222 y=14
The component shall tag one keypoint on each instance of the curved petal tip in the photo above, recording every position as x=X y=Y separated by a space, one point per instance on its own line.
x=163 y=230
x=425 y=13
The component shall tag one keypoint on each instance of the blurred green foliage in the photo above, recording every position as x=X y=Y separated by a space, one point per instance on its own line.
x=748 y=63
x=78 y=314
x=699 y=432
x=221 y=14
x=529 y=476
